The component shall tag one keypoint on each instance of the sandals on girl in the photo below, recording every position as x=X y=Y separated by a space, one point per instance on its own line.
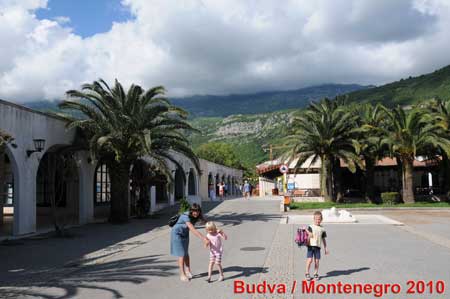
x=316 y=277
x=307 y=277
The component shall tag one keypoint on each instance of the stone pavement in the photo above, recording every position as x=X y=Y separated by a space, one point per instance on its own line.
x=132 y=261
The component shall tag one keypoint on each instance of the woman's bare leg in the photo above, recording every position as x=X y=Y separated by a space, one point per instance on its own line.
x=181 y=261
x=187 y=263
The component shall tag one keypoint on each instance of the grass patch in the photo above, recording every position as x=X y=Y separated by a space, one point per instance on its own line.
x=327 y=205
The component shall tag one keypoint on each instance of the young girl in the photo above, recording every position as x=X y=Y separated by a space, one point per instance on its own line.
x=215 y=238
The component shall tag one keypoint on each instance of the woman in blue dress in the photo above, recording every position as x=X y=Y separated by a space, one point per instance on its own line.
x=179 y=239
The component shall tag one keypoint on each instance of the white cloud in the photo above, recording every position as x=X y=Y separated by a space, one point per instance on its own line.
x=62 y=20
x=224 y=46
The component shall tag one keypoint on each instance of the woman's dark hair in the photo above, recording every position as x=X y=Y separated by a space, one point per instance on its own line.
x=196 y=208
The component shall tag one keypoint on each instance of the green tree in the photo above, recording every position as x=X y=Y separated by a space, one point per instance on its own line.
x=123 y=126
x=408 y=134
x=440 y=112
x=220 y=153
x=325 y=131
x=370 y=119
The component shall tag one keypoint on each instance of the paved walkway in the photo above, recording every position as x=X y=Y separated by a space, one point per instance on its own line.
x=132 y=261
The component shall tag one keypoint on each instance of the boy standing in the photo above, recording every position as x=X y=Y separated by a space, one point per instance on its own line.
x=317 y=236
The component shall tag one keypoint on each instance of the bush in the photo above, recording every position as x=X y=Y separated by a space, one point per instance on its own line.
x=184 y=206
x=390 y=197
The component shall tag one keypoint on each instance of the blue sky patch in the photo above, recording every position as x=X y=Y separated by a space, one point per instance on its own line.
x=86 y=17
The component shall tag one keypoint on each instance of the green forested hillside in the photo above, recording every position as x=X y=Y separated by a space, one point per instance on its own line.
x=248 y=134
x=408 y=91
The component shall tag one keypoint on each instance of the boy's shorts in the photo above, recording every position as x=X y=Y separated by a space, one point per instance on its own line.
x=215 y=258
x=313 y=252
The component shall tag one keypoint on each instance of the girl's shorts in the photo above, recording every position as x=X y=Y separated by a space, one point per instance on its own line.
x=313 y=252
x=215 y=258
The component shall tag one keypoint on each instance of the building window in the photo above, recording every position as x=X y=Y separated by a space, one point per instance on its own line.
x=102 y=186
x=9 y=194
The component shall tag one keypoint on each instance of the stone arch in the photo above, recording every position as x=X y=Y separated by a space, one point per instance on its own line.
x=211 y=188
x=9 y=182
x=140 y=178
x=192 y=183
x=216 y=184
x=57 y=185
x=180 y=181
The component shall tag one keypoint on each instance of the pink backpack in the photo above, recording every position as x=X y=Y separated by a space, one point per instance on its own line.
x=302 y=237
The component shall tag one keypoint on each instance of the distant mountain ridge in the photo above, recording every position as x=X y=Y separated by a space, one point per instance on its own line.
x=261 y=102
x=252 y=103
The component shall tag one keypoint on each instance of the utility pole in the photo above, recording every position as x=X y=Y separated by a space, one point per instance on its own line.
x=271 y=148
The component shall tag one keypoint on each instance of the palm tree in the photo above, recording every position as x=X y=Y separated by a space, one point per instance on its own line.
x=325 y=131
x=123 y=126
x=440 y=111
x=409 y=134
x=370 y=119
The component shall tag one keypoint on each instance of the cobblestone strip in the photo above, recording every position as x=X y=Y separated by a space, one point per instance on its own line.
x=279 y=264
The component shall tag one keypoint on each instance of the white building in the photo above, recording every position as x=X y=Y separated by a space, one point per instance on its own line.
x=30 y=180
x=304 y=178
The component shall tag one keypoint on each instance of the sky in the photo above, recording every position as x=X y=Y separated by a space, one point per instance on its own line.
x=216 y=46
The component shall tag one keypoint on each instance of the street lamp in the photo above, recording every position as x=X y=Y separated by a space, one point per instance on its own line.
x=39 y=145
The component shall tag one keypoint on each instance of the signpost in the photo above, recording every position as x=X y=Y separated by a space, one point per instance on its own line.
x=284 y=168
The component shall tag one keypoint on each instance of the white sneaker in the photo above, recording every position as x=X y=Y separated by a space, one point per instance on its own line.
x=189 y=275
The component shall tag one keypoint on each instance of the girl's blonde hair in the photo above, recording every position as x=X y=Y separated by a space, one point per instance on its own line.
x=211 y=226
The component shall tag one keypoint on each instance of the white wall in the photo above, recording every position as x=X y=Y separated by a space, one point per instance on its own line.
x=305 y=180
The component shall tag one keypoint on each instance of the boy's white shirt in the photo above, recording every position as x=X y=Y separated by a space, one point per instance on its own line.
x=316 y=237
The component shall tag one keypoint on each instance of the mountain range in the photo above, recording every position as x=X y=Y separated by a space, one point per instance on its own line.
x=261 y=102
x=252 y=103
x=251 y=121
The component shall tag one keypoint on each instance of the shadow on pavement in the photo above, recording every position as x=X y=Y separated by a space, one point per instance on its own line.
x=94 y=277
x=233 y=219
x=345 y=272
x=52 y=254
x=242 y=272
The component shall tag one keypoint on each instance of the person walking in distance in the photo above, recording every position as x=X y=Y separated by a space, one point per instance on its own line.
x=247 y=190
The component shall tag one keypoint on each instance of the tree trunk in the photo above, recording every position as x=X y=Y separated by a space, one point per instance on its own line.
x=446 y=174
x=325 y=179
x=369 y=181
x=338 y=195
x=120 y=191
x=407 y=180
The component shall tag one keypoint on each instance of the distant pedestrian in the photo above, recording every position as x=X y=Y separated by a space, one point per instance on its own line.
x=317 y=235
x=247 y=190
x=212 y=192
x=215 y=237
x=179 y=239
x=221 y=190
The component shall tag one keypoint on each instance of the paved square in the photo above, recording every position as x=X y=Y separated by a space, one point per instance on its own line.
x=132 y=261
